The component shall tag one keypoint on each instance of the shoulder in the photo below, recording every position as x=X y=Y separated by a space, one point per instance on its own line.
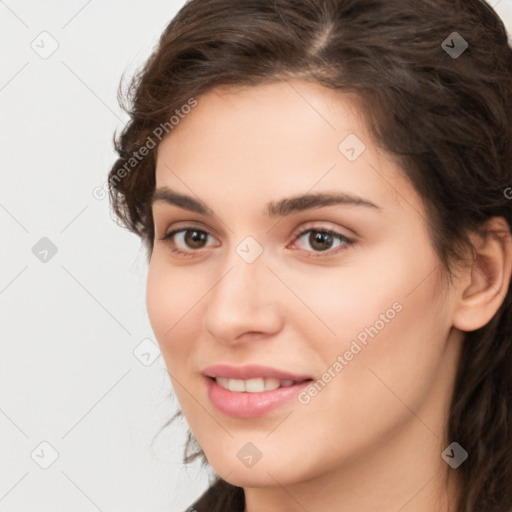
x=220 y=497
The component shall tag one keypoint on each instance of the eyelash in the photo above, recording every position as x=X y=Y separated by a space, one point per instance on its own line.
x=347 y=242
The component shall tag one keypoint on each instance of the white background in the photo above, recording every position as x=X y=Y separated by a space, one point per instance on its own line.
x=68 y=374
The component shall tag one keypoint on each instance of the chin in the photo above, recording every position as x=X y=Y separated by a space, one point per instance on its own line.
x=254 y=477
x=264 y=473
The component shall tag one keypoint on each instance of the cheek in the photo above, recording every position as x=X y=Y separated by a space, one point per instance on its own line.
x=158 y=300
x=388 y=321
x=392 y=338
x=169 y=299
x=401 y=328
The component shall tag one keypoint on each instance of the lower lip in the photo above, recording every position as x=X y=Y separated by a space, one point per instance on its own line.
x=251 y=405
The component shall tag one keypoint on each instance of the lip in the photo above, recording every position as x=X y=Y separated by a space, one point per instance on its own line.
x=240 y=404
x=251 y=372
x=250 y=405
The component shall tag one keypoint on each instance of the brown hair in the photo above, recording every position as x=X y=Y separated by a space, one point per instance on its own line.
x=446 y=118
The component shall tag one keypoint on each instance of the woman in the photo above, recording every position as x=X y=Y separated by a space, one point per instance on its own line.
x=322 y=190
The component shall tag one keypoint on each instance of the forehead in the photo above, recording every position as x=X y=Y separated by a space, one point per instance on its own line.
x=277 y=139
x=290 y=111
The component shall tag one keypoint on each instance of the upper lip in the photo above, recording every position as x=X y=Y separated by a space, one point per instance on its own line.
x=250 y=372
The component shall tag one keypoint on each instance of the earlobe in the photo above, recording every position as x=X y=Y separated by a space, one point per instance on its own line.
x=485 y=283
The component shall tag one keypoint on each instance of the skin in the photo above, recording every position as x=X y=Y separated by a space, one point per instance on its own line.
x=372 y=438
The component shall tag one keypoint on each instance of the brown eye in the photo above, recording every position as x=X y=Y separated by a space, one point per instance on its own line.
x=195 y=238
x=186 y=239
x=322 y=240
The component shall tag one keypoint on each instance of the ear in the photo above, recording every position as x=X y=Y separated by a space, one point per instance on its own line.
x=484 y=285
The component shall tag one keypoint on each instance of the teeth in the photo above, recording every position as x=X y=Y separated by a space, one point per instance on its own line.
x=256 y=385
x=236 y=385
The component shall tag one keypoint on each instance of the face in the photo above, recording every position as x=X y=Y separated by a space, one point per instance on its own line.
x=347 y=293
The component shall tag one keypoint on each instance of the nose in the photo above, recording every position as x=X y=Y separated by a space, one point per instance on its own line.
x=243 y=303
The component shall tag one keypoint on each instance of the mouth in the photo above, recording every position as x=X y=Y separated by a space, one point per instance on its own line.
x=251 y=391
x=253 y=372
x=255 y=385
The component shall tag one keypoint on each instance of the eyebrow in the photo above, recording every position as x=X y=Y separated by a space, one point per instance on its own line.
x=280 y=208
